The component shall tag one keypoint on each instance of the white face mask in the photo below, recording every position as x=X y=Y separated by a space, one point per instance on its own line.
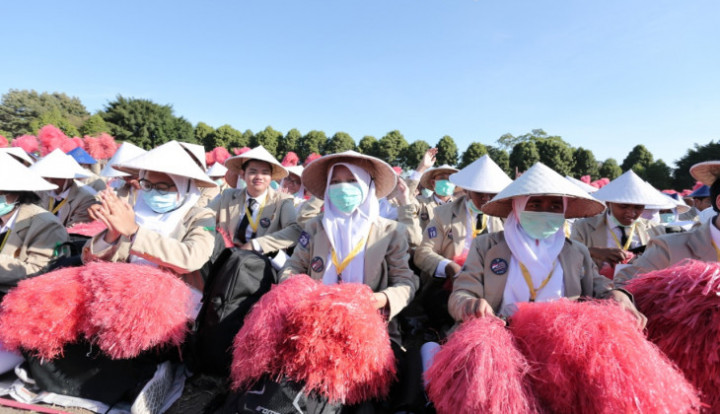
x=241 y=184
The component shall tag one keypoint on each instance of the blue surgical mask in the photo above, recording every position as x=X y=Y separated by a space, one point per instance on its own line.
x=541 y=225
x=345 y=196
x=161 y=203
x=666 y=218
x=444 y=188
x=5 y=207
x=427 y=193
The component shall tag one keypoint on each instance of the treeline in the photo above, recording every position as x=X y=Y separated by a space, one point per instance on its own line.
x=148 y=124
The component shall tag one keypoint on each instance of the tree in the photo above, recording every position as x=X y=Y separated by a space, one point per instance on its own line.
x=474 y=151
x=610 y=169
x=225 y=136
x=391 y=147
x=508 y=141
x=637 y=160
x=247 y=138
x=368 y=145
x=339 y=142
x=501 y=158
x=54 y=117
x=182 y=130
x=313 y=141
x=658 y=174
x=699 y=153
x=415 y=153
x=585 y=164
x=447 y=151
x=556 y=154
x=268 y=138
x=18 y=108
x=289 y=143
x=94 y=126
x=205 y=134
x=523 y=156
x=145 y=123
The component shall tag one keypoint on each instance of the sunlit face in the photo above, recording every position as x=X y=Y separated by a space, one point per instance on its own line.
x=291 y=183
x=439 y=177
x=342 y=174
x=479 y=199
x=257 y=176
x=10 y=197
x=545 y=204
x=626 y=214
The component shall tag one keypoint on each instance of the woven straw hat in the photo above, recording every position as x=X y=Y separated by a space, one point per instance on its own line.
x=57 y=164
x=217 y=170
x=14 y=176
x=482 y=176
x=706 y=172
x=430 y=174
x=295 y=169
x=127 y=151
x=261 y=154
x=540 y=180
x=630 y=189
x=314 y=176
x=19 y=154
x=583 y=185
x=197 y=152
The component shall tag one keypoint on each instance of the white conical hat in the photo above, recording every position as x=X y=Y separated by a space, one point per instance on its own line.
x=583 y=185
x=168 y=158
x=14 y=176
x=541 y=180
x=314 y=176
x=19 y=154
x=670 y=204
x=217 y=170
x=57 y=164
x=261 y=154
x=482 y=176
x=430 y=174
x=127 y=151
x=295 y=169
x=630 y=189
x=197 y=152
x=706 y=172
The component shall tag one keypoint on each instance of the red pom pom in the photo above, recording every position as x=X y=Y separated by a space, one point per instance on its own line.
x=398 y=170
x=209 y=158
x=290 y=160
x=93 y=146
x=239 y=151
x=27 y=142
x=460 y=259
x=683 y=310
x=310 y=158
x=221 y=154
x=480 y=370
x=108 y=146
x=90 y=229
x=67 y=145
x=44 y=313
x=3 y=142
x=586 y=179
x=50 y=138
x=590 y=357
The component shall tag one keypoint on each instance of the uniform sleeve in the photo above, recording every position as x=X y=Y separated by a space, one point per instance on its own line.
x=592 y=282
x=286 y=237
x=468 y=286
x=426 y=256
x=408 y=215
x=402 y=282
x=309 y=210
x=299 y=262
x=655 y=257
x=81 y=214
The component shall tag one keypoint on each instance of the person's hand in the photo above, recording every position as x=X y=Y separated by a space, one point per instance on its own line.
x=379 y=300
x=428 y=160
x=611 y=255
x=402 y=192
x=479 y=308
x=624 y=301
x=116 y=214
x=452 y=269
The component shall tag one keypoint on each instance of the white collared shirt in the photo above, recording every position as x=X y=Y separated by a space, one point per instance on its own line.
x=614 y=228
x=11 y=222
x=261 y=199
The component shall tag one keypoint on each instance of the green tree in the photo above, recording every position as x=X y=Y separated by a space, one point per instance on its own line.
x=368 y=145
x=182 y=130
x=225 y=136
x=447 y=151
x=585 y=164
x=204 y=134
x=659 y=175
x=313 y=141
x=247 y=138
x=339 y=142
x=145 y=123
x=501 y=158
x=610 y=169
x=94 y=125
x=699 y=153
x=415 y=153
x=556 y=154
x=523 y=156
x=18 y=108
x=638 y=160
x=54 y=117
x=290 y=142
x=474 y=151
x=268 y=138
x=391 y=147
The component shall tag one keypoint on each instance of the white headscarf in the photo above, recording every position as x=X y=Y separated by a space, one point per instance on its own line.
x=345 y=231
x=538 y=256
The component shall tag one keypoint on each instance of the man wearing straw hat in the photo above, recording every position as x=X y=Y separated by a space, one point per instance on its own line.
x=438 y=181
x=701 y=243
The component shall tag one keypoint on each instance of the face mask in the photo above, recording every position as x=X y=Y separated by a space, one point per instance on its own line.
x=5 y=207
x=219 y=182
x=241 y=184
x=161 y=203
x=274 y=185
x=541 y=225
x=444 y=188
x=667 y=218
x=345 y=196
x=427 y=193
x=474 y=210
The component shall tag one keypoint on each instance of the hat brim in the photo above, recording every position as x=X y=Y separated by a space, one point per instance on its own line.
x=430 y=175
x=706 y=172
x=314 y=176
x=576 y=207
x=277 y=172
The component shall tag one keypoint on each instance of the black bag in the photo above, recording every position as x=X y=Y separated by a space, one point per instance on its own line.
x=237 y=280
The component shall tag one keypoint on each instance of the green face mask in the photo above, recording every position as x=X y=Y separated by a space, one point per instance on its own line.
x=541 y=225
x=474 y=210
x=345 y=196
x=5 y=207
x=444 y=188
x=666 y=218
x=427 y=193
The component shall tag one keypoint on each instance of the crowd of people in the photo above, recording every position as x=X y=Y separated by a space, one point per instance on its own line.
x=437 y=244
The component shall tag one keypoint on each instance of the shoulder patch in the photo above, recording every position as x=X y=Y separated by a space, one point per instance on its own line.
x=304 y=239
x=265 y=222
x=432 y=232
x=317 y=264
x=499 y=266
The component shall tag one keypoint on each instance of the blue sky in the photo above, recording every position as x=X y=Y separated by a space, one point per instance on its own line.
x=604 y=75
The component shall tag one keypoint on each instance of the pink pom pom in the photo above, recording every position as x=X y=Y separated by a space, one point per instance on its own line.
x=697 y=185
x=239 y=151
x=460 y=259
x=79 y=142
x=590 y=357
x=108 y=146
x=255 y=348
x=310 y=158
x=50 y=138
x=209 y=158
x=221 y=154
x=586 y=179
x=127 y=315
x=607 y=270
x=3 y=142
x=338 y=345
x=93 y=146
x=480 y=370
x=44 y=313
x=291 y=159
x=226 y=237
x=27 y=142
x=683 y=310
x=89 y=229
x=67 y=145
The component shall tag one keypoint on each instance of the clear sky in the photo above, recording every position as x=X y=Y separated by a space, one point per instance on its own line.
x=604 y=75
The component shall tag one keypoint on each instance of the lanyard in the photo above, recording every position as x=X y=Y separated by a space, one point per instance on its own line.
x=53 y=208
x=566 y=229
x=629 y=237
x=254 y=223
x=529 y=282
x=339 y=267
x=717 y=250
x=482 y=228
x=7 y=236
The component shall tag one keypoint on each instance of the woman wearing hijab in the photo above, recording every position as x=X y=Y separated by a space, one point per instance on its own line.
x=126 y=185
x=166 y=227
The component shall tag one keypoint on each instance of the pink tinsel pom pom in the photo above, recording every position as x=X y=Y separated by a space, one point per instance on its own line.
x=3 y=142
x=108 y=146
x=127 y=315
x=697 y=185
x=67 y=145
x=89 y=229
x=480 y=370
x=27 y=142
x=43 y=313
x=310 y=158
x=79 y=142
x=255 y=348
x=209 y=158
x=92 y=146
x=239 y=151
x=460 y=259
x=397 y=170
x=338 y=345
x=291 y=159
x=50 y=138
x=220 y=154
x=586 y=179
x=683 y=310
x=589 y=357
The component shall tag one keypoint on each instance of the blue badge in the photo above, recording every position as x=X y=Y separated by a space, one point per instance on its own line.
x=317 y=264
x=304 y=239
x=432 y=232
x=499 y=266
x=265 y=222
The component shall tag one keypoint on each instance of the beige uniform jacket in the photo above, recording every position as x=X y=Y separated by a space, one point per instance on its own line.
x=184 y=252
x=208 y=194
x=30 y=245
x=79 y=199
x=665 y=251
x=309 y=210
x=386 y=263
x=277 y=226
x=444 y=236
x=491 y=251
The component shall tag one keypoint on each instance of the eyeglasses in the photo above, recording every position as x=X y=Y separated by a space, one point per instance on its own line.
x=161 y=187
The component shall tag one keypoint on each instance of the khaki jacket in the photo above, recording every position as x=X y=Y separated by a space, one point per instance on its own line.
x=666 y=251
x=593 y=231
x=447 y=239
x=30 y=245
x=79 y=199
x=386 y=263
x=277 y=226
x=309 y=210
x=477 y=279
x=184 y=252
x=208 y=194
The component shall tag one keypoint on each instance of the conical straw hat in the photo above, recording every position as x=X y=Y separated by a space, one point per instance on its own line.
x=19 y=154
x=583 y=185
x=57 y=164
x=295 y=169
x=217 y=170
x=430 y=174
x=630 y=189
x=127 y=151
x=14 y=176
x=314 y=177
x=482 y=176
x=169 y=158
x=197 y=152
x=540 y=180
x=670 y=203
x=261 y=154
x=706 y=172
x=81 y=156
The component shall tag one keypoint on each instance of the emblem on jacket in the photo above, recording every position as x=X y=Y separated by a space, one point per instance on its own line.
x=499 y=266
x=265 y=222
x=317 y=264
x=304 y=239
x=432 y=232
